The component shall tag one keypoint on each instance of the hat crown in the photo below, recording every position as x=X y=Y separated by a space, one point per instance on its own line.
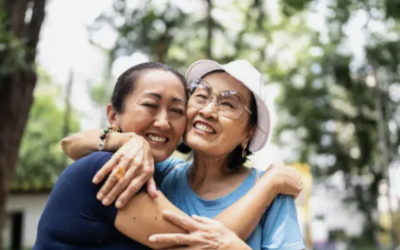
x=243 y=71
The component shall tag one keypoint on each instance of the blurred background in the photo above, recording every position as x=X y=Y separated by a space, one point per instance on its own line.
x=332 y=79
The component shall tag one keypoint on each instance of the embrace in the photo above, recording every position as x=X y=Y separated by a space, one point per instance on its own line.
x=126 y=191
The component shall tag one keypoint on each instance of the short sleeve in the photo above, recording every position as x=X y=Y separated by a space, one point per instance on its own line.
x=162 y=168
x=281 y=227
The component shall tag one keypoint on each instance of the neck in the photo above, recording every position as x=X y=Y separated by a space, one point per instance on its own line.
x=209 y=168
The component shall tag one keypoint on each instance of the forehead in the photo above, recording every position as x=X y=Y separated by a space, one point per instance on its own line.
x=221 y=81
x=161 y=82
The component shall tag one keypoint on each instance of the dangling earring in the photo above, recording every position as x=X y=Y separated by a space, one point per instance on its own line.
x=244 y=146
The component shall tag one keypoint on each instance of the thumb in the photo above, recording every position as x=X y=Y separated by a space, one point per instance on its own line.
x=151 y=188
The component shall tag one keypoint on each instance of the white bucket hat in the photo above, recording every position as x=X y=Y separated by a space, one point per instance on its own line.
x=244 y=72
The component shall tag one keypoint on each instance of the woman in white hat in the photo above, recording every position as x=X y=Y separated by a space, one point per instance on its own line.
x=227 y=120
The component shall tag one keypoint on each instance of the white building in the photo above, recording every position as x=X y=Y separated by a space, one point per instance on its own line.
x=23 y=212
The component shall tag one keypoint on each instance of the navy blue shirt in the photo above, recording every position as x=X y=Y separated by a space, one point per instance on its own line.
x=74 y=219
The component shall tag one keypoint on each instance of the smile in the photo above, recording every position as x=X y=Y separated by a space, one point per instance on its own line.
x=157 y=138
x=203 y=127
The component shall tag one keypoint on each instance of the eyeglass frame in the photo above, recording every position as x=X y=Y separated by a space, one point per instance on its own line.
x=213 y=97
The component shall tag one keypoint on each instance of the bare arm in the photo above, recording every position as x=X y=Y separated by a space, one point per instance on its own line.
x=145 y=213
x=144 y=217
x=86 y=142
x=251 y=206
x=243 y=216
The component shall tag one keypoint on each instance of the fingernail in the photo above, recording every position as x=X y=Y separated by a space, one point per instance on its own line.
x=106 y=201
x=153 y=239
x=100 y=196
x=95 y=180
x=118 y=204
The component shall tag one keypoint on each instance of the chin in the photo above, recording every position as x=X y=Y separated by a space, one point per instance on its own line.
x=198 y=145
x=160 y=156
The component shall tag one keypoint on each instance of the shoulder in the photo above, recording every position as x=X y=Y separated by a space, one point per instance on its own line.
x=88 y=165
x=169 y=163
x=162 y=169
x=285 y=202
x=281 y=228
x=96 y=158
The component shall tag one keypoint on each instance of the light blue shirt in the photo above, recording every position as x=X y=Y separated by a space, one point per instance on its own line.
x=278 y=228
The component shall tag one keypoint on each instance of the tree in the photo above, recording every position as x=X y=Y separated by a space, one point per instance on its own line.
x=41 y=158
x=343 y=108
x=19 y=36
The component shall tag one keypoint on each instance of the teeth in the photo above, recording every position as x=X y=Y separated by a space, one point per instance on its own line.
x=204 y=127
x=157 y=138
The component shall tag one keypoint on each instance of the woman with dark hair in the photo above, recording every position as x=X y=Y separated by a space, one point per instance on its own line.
x=227 y=119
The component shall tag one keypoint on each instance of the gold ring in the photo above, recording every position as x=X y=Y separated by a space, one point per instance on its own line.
x=119 y=172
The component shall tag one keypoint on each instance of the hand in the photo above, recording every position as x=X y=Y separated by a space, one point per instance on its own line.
x=286 y=179
x=130 y=167
x=203 y=233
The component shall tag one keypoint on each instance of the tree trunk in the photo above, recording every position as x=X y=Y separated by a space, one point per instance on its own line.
x=210 y=27
x=16 y=88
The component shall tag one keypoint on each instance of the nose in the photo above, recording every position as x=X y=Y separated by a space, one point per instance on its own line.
x=161 y=121
x=209 y=110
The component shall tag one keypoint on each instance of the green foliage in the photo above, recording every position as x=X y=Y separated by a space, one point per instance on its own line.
x=340 y=103
x=329 y=100
x=41 y=159
x=12 y=50
x=100 y=94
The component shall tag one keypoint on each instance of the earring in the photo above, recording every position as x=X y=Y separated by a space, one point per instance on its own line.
x=244 y=146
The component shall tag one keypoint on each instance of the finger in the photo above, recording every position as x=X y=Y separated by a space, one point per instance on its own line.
x=106 y=169
x=182 y=221
x=113 y=179
x=204 y=220
x=151 y=188
x=183 y=239
x=130 y=191
x=120 y=186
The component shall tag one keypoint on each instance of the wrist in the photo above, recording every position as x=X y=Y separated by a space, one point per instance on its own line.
x=239 y=245
x=272 y=185
x=125 y=137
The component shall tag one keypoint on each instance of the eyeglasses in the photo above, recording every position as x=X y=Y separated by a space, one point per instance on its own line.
x=229 y=102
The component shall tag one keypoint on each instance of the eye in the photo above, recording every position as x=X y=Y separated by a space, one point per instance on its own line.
x=150 y=105
x=178 y=111
x=201 y=96
x=230 y=105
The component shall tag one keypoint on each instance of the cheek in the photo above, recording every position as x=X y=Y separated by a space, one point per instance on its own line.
x=234 y=129
x=179 y=126
x=135 y=121
x=190 y=113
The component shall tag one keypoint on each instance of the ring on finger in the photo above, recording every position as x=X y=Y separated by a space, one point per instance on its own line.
x=119 y=172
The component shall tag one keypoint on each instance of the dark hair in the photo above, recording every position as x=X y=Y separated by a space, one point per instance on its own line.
x=126 y=82
x=236 y=160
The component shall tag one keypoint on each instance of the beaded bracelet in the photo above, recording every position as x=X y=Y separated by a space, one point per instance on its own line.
x=103 y=136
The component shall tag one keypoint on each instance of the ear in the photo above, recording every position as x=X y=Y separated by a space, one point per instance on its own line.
x=113 y=117
x=249 y=134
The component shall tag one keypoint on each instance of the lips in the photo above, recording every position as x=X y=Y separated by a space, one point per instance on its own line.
x=204 y=127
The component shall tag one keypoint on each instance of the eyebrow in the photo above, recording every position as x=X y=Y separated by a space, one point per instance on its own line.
x=158 y=96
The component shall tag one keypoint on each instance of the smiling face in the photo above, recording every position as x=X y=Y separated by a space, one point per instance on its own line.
x=210 y=133
x=155 y=109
